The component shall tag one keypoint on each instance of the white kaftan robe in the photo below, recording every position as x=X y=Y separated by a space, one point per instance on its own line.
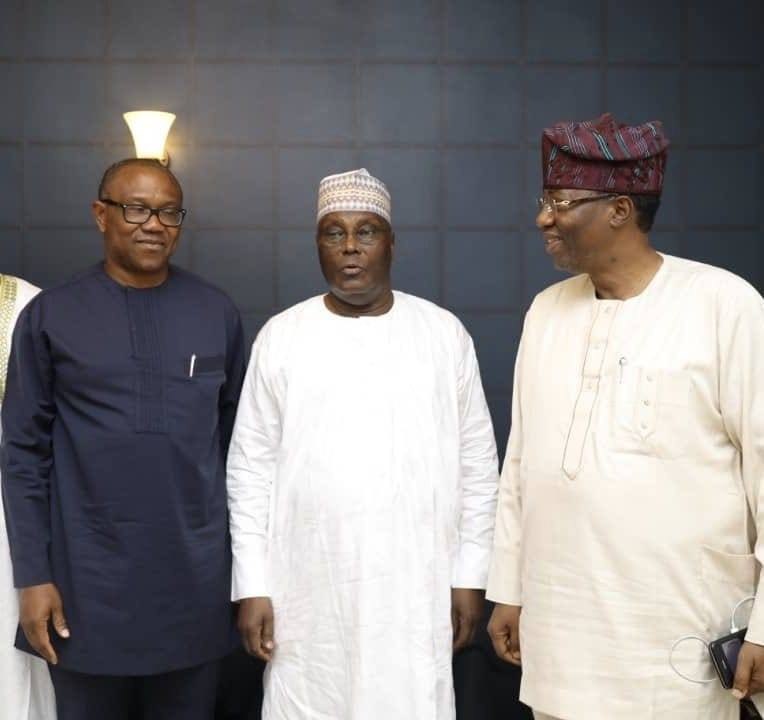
x=362 y=480
x=26 y=692
x=631 y=492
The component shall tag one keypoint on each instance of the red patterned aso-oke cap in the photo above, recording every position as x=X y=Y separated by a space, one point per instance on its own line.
x=604 y=155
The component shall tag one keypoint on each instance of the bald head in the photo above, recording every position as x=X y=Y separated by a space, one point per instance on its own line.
x=114 y=170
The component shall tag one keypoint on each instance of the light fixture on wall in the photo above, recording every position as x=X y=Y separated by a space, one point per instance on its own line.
x=149 y=129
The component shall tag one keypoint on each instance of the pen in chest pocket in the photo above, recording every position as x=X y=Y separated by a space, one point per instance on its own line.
x=191 y=366
x=622 y=362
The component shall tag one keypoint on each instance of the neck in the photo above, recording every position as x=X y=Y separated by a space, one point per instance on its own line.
x=133 y=280
x=626 y=272
x=379 y=306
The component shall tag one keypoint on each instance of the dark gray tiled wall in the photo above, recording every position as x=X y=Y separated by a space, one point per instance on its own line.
x=443 y=99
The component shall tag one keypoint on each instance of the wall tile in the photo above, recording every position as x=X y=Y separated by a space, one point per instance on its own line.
x=315 y=103
x=10 y=252
x=483 y=270
x=239 y=262
x=65 y=102
x=234 y=187
x=555 y=94
x=71 y=29
x=565 y=32
x=416 y=263
x=710 y=175
x=400 y=29
x=234 y=102
x=644 y=32
x=233 y=29
x=53 y=255
x=725 y=32
x=482 y=187
x=484 y=29
x=714 y=104
x=413 y=179
x=149 y=29
x=299 y=274
x=61 y=182
x=11 y=25
x=496 y=337
x=315 y=30
x=300 y=171
x=11 y=89
x=475 y=111
x=11 y=166
x=635 y=95
x=413 y=115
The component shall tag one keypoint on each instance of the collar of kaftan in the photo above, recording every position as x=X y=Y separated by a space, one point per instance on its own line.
x=8 y=289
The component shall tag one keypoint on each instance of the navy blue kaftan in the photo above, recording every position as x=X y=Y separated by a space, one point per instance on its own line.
x=113 y=467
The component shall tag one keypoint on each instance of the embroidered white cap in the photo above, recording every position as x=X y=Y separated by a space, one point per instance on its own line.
x=355 y=190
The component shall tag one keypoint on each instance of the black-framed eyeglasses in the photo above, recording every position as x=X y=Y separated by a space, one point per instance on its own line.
x=139 y=214
x=366 y=235
x=551 y=205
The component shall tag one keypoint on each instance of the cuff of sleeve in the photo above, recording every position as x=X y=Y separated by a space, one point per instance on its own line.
x=471 y=567
x=249 y=574
x=28 y=573
x=504 y=584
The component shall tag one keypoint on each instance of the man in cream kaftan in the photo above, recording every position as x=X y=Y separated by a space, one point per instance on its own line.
x=26 y=692
x=630 y=498
x=362 y=482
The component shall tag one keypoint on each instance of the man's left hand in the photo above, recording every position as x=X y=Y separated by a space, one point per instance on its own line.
x=749 y=676
x=466 y=611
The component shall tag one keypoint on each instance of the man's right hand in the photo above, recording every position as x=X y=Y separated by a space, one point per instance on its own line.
x=40 y=605
x=504 y=629
x=256 y=626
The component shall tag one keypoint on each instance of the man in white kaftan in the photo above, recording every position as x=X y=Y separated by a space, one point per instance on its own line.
x=362 y=479
x=631 y=494
x=26 y=692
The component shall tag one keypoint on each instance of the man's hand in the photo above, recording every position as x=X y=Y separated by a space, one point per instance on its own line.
x=504 y=629
x=256 y=626
x=38 y=606
x=466 y=611
x=749 y=676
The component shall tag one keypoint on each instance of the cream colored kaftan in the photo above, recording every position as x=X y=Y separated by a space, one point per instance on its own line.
x=26 y=692
x=631 y=493
x=362 y=480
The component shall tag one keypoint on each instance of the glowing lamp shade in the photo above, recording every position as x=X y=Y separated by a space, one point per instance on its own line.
x=149 y=129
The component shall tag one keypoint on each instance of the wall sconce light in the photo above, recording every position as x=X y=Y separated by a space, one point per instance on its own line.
x=149 y=129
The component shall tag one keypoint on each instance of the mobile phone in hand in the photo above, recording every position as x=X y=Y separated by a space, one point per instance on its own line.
x=724 y=652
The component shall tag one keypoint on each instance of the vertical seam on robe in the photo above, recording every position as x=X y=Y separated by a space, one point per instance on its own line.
x=150 y=416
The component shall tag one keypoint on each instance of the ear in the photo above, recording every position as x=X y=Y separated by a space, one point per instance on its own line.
x=622 y=211
x=99 y=213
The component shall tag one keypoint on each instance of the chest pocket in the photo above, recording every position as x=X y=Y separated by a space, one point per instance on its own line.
x=195 y=396
x=652 y=412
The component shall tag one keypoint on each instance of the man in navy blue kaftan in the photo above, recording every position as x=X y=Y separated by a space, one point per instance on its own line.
x=122 y=390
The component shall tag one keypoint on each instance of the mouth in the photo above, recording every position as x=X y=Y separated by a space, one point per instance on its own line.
x=151 y=244
x=351 y=270
x=552 y=244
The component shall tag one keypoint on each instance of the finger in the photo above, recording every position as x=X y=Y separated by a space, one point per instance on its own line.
x=500 y=642
x=40 y=641
x=59 y=622
x=461 y=631
x=514 y=643
x=266 y=642
x=743 y=672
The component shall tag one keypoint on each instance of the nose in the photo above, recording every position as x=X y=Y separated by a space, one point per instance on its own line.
x=544 y=218
x=153 y=224
x=351 y=244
